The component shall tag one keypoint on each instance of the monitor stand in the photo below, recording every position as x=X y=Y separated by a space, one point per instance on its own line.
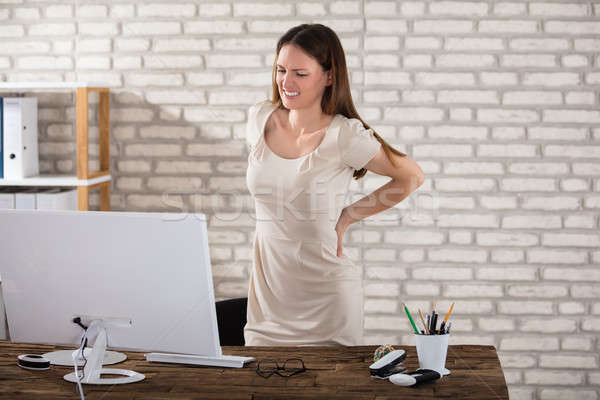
x=92 y=372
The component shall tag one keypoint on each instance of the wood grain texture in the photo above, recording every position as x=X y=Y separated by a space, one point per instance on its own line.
x=332 y=373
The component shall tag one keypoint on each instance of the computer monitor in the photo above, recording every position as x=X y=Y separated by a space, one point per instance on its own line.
x=149 y=273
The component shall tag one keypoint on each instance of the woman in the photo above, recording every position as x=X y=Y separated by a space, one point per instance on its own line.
x=305 y=146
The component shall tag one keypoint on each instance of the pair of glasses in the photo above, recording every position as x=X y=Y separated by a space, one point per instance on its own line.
x=291 y=366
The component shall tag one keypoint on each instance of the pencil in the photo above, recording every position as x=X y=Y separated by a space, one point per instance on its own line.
x=423 y=321
x=410 y=318
x=449 y=311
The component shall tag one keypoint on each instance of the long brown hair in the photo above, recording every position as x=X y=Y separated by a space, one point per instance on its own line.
x=323 y=44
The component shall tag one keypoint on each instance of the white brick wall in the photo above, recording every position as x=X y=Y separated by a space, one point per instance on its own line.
x=496 y=100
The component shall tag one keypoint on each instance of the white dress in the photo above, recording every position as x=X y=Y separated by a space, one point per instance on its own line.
x=300 y=292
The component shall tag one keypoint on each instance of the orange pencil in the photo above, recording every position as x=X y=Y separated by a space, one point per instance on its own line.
x=447 y=315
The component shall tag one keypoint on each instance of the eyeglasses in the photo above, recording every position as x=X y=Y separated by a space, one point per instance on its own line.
x=291 y=366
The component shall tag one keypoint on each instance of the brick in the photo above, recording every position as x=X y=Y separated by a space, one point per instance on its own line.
x=507 y=26
x=570 y=240
x=151 y=28
x=474 y=44
x=574 y=185
x=529 y=343
x=262 y=9
x=496 y=324
x=91 y=11
x=531 y=97
x=538 y=168
x=384 y=8
x=498 y=202
x=572 y=274
x=465 y=61
x=510 y=360
x=525 y=307
x=131 y=114
x=153 y=79
x=422 y=43
x=414 y=237
x=382 y=272
x=217 y=149
x=460 y=237
x=442 y=273
x=458 y=291
x=153 y=150
x=44 y=62
x=572 y=27
x=505 y=115
x=444 y=78
x=507 y=273
x=49 y=30
x=59 y=11
x=531 y=221
x=468 y=96
x=468 y=220
x=166 y=10
x=133 y=166
x=579 y=221
x=177 y=45
x=213 y=27
x=550 y=79
x=537 y=291
x=121 y=11
x=591 y=324
x=527 y=184
x=214 y=10
x=413 y=288
x=571 y=116
x=538 y=44
x=566 y=361
x=585 y=291
x=507 y=256
x=539 y=377
x=132 y=44
x=129 y=183
x=551 y=256
x=457 y=255
x=381 y=305
x=98 y=28
x=559 y=394
x=576 y=343
x=204 y=114
x=442 y=26
x=506 y=239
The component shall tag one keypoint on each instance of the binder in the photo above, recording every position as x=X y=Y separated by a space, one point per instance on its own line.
x=1 y=140
x=20 y=137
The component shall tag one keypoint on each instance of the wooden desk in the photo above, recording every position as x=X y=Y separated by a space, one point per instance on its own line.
x=333 y=373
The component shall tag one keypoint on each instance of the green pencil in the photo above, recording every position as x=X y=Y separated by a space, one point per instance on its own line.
x=410 y=318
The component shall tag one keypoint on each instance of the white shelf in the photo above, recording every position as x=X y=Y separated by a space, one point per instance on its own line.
x=54 y=180
x=43 y=85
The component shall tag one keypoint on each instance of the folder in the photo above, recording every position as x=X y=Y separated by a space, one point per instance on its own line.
x=20 y=137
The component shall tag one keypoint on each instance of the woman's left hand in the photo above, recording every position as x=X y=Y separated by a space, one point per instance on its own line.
x=340 y=228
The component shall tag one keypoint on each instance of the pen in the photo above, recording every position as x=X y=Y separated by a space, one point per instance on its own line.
x=448 y=330
x=427 y=325
x=442 y=325
x=410 y=318
x=423 y=321
x=432 y=329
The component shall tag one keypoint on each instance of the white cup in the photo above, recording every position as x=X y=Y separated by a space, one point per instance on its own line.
x=431 y=351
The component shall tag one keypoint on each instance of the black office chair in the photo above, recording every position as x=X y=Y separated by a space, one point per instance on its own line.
x=231 y=319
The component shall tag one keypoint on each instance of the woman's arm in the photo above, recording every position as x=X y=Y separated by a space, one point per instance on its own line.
x=406 y=178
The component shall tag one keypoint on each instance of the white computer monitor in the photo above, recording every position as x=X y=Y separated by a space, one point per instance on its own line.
x=152 y=269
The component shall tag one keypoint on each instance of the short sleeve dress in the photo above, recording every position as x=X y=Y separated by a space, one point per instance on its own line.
x=300 y=292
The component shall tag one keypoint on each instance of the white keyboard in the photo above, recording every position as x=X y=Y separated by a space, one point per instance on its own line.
x=223 y=361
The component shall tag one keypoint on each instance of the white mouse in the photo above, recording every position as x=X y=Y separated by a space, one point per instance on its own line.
x=402 y=379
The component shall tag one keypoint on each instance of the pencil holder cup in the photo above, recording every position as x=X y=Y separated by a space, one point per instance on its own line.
x=431 y=351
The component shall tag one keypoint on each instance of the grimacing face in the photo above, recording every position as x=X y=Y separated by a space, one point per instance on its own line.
x=300 y=79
